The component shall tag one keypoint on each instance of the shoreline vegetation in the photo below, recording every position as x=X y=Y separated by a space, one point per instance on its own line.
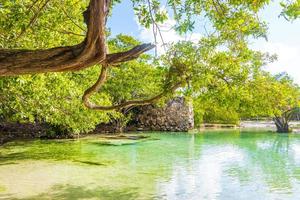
x=88 y=112
x=75 y=76
x=16 y=131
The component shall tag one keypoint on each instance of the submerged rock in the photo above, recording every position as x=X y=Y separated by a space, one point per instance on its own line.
x=89 y=162
x=118 y=140
x=128 y=137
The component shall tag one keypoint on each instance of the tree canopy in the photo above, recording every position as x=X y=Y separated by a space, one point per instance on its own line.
x=39 y=38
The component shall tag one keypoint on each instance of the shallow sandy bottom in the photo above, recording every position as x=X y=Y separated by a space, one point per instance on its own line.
x=211 y=165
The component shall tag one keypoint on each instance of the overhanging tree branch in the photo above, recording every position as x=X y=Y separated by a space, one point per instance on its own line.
x=91 y=51
x=131 y=54
x=100 y=82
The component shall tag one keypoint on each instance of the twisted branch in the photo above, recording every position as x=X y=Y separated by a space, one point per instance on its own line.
x=132 y=54
x=100 y=82
x=91 y=51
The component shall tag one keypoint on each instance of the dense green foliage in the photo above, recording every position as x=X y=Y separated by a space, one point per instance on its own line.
x=55 y=98
x=41 y=24
x=264 y=95
x=216 y=79
x=229 y=85
x=51 y=98
x=291 y=9
x=221 y=74
x=270 y=95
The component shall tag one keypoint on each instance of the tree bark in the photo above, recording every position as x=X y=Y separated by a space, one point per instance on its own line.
x=101 y=81
x=70 y=58
x=282 y=124
x=91 y=51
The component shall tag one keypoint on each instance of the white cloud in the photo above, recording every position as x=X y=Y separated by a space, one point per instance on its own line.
x=288 y=59
x=169 y=35
x=288 y=54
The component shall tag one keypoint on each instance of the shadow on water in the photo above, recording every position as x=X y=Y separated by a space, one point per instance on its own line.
x=281 y=144
x=89 y=162
x=43 y=150
x=71 y=192
x=57 y=150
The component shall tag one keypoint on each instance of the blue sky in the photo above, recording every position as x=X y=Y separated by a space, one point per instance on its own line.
x=283 y=36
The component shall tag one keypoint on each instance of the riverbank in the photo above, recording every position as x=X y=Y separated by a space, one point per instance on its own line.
x=28 y=131
x=17 y=131
x=269 y=125
x=20 y=131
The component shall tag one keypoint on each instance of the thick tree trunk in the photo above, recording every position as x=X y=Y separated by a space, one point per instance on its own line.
x=91 y=51
x=282 y=124
x=120 y=126
x=70 y=58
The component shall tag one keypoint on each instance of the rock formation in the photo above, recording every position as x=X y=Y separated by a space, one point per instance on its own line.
x=177 y=115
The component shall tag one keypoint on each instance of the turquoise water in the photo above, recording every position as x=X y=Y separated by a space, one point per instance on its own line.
x=212 y=165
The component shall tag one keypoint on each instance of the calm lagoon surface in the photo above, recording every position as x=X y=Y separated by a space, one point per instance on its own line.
x=211 y=165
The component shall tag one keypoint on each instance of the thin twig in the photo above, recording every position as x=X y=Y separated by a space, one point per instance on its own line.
x=33 y=19
x=153 y=25
x=64 y=31
x=31 y=6
x=161 y=37
x=72 y=20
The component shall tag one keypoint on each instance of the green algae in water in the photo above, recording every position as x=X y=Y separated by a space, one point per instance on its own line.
x=115 y=142
x=210 y=165
x=2 y=188
x=120 y=140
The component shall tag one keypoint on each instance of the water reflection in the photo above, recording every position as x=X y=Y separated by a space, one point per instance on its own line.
x=213 y=165
x=238 y=166
x=203 y=178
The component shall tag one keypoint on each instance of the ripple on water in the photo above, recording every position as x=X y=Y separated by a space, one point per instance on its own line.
x=213 y=165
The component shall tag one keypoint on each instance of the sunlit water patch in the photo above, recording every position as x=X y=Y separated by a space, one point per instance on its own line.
x=211 y=165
